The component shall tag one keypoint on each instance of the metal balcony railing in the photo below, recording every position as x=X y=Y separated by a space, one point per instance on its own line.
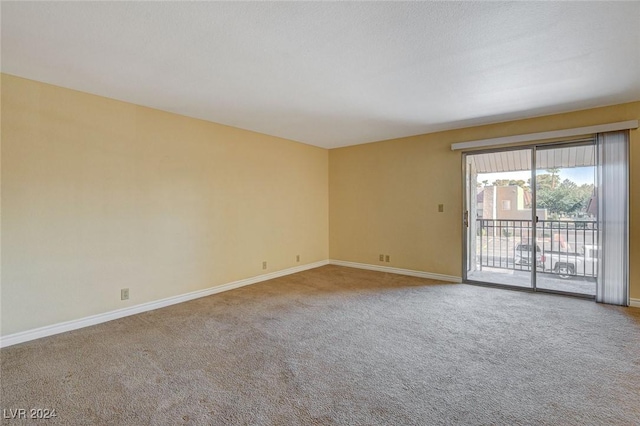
x=563 y=247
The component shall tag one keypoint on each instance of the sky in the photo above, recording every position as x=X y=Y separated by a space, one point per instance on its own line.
x=579 y=175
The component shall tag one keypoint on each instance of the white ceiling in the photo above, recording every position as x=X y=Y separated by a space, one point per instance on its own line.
x=334 y=74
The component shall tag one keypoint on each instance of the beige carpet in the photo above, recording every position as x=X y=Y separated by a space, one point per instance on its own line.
x=341 y=346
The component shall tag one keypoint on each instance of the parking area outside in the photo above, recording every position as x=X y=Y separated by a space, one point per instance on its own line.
x=566 y=258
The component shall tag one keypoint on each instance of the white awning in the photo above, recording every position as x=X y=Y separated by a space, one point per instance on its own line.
x=513 y=161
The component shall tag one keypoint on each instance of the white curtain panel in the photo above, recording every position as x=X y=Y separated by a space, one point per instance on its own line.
x=613 y=212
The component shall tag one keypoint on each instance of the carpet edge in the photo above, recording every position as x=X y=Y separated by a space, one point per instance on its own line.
x=399 y=271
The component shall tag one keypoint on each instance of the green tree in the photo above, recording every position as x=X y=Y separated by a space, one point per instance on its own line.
x=548 y=181
x=511 y=182
x=567 y=198
x=554 y=177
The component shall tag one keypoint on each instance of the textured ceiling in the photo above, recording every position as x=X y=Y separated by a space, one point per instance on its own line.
x=334 y=74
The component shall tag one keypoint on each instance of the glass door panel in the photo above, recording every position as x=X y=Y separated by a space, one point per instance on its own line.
x=567 y=227
x=498 y=218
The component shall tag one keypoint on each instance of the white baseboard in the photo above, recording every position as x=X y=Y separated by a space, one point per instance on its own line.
x=634 y=302
x=50 y=330
x=412 y=273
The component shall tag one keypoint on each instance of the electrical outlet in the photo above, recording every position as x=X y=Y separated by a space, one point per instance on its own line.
x=440 y=208
x=386 y=258
x=298 y=258
x=264 y=265
x=124 y=294
x=382 y=258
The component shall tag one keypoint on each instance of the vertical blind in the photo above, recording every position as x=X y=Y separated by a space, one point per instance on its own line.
x=613 y=213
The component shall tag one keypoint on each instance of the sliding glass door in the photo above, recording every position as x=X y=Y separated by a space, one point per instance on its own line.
x=531 y=218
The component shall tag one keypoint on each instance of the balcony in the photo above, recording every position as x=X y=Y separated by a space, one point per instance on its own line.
x=564 y=248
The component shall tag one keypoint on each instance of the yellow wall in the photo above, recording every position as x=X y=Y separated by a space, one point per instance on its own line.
x=384 y=196
x=99 y=194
